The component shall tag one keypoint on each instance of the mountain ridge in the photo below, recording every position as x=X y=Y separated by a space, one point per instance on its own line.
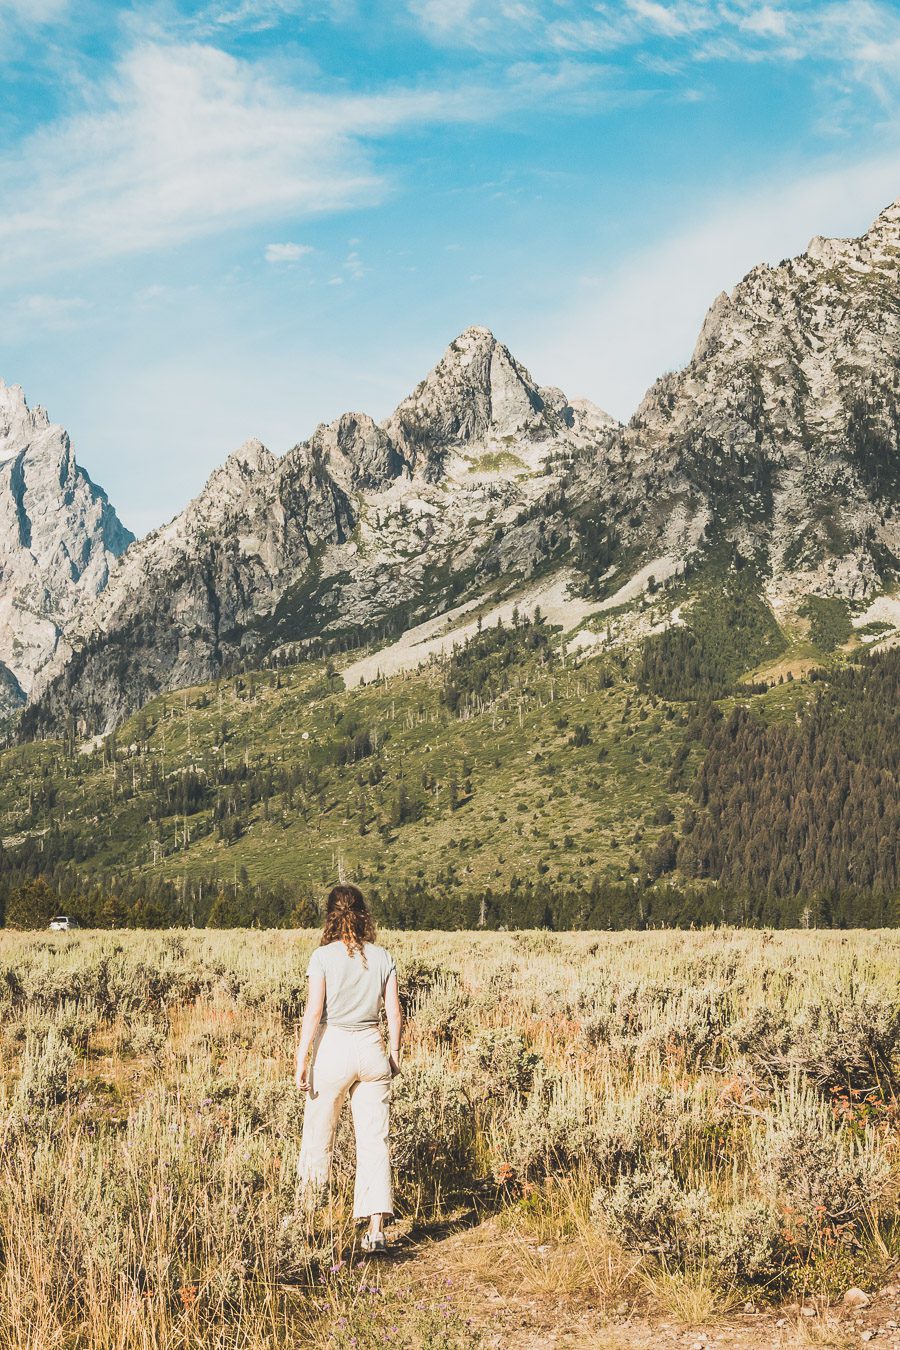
x=776 y=445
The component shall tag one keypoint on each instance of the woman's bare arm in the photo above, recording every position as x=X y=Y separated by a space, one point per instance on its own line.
x=312 y=1016
x=394 y=1014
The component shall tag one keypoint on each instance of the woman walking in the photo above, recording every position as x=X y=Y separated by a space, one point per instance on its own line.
x=350 y=980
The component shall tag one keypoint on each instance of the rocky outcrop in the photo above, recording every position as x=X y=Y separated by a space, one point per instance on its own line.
x=59 y=539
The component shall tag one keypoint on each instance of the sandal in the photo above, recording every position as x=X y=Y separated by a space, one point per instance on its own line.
x=373 y=1242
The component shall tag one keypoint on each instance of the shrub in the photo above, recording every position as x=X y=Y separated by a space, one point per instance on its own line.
x=552 y=1131
x=499 y=1063
x=417 y=978
x=74 y=1024
x=445 y=1014
x=431 y=1125
x=851 y=1043
x=46 y=1065
x=748 y=1244
x=821 y=1176
x=648 y=1210
x=145 y=1039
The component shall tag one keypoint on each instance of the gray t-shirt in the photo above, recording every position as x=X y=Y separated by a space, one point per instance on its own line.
x=353 y=992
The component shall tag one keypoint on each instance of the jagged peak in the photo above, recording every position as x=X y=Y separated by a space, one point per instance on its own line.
x=477 y=389
x=350 y=422
x=252 y=455
x=708 y=336
x=887 y=219
x=360 y=452
x=229 y=482
x=469 y=359
x=885 y=226
x=592 y=415
x=476 y=335
x=15 y=412
x=476 y=342
x=12 y=393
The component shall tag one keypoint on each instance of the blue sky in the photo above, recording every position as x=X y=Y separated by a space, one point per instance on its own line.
x=244 y=217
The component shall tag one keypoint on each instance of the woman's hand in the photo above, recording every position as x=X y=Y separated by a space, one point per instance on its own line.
x=394 y=1015
x=312 y=1016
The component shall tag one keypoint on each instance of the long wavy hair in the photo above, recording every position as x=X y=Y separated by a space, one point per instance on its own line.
x=347 y=920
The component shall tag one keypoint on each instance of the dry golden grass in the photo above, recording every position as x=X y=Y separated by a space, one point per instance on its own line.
x=584 y=1125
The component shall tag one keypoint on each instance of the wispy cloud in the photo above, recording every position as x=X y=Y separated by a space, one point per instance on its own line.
x=188 y=141
x=26 y=19
x=353 y=266
x=860 y=37
x=38 y=313
x=765 y=21
x=287 y=253
x=33 y=12
x=256 y=16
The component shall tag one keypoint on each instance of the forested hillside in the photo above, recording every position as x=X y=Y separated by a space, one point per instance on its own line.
x=510 y=784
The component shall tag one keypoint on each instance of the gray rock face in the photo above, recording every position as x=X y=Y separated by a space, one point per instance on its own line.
x=477 y=391
x=786 y=422
x=778 y=441
x=59 y=538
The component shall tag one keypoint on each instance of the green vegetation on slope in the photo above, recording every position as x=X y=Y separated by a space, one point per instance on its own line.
x=829 y=621
x=461 y=777
x=502 y=785
x=728 y=630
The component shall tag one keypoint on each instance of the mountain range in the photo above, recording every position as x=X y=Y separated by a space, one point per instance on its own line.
x=773 y=457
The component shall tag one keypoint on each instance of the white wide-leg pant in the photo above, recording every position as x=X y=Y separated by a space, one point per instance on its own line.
x=351 y=1062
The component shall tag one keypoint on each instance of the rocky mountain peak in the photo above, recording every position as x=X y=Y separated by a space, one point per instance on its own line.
x=59 y=537
x=477 y=393
x=778 y=444
x=253 y=457
x=886 y=223
x=19 y=424
x=786 y=421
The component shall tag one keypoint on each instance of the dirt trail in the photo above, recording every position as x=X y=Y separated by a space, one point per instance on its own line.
x=497 y=1283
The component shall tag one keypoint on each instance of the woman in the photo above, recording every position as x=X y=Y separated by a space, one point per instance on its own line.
x=350 y=979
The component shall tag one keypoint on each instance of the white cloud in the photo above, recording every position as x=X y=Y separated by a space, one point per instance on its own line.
x=672 y=20
x=287 y=253
x=31 y=12
x=860 y=37
x=629 y=326
x=767 y=22
x=444 y=16
x=43 y=313
x=189 y=142
x=353 y=266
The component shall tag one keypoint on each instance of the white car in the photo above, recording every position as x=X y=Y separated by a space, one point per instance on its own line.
x=62 y=923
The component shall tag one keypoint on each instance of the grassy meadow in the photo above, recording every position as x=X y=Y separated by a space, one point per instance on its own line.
x=617 y=1126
